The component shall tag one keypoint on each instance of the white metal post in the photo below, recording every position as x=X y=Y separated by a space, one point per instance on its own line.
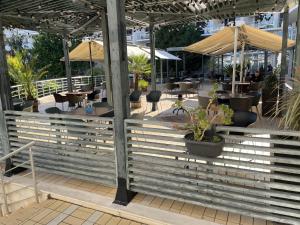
x=67 y=63
x=4 y=194
x=297 y=50
x=36 y=193
x=161 y=71
x=236 y=33
x=242 y=62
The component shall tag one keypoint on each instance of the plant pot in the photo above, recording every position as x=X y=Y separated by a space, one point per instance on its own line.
x=136 y=105
x=144 y=89
x=203 y=148
x=135 y=96
x=35 y=106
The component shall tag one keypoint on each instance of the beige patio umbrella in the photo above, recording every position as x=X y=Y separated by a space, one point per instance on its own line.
x=233 y=38
x=82 y=51
x=223 y=41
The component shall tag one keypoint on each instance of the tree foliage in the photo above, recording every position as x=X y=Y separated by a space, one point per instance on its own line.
x=48 y=50
x=181 y=36
x=177 y=35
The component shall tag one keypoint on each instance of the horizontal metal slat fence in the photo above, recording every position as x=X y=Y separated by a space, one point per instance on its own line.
x=258 y=173
x=77 y=146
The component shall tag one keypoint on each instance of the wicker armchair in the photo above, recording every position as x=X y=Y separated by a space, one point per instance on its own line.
x=60 y=99
x=74 y=99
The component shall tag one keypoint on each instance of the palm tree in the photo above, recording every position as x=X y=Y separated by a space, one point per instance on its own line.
x=21 y=71
x=139 y=65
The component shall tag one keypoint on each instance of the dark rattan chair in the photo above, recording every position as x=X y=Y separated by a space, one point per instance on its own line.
x=74 y=99
x=242 y=117
x=92 y=96
x=60 y=99
x=255 y=100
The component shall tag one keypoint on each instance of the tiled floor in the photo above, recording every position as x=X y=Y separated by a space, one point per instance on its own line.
x=77 y=184
x=199 y=212
x=54 y=212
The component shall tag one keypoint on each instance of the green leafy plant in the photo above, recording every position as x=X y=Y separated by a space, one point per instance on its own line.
x=97 y=71
x=21 y=71
x=228 y=69
x=52 y=86
x=291 y=108
x=202 y=120
x=139 y=65
x=143 y=84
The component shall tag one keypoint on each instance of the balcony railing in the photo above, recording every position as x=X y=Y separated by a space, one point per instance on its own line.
x=47 y=87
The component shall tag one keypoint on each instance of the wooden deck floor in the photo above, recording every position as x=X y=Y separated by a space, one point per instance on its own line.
x=166 y=205
x=55 y=212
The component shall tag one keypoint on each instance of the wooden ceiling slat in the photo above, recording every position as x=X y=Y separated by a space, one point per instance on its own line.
x=68 y=15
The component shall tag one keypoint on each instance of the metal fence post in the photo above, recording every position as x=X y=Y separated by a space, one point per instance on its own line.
x=42 y=89
x=5 y=140
x=33 y=176
x=19 y=92
x=4 y=194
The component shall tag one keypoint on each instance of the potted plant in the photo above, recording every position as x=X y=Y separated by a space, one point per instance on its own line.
x=139 y=66
x=270 y=94
x=21 y=71
x=143 y=85
x=202 y=139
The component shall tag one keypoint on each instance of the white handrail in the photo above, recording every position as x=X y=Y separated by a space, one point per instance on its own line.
x=2 y=174
x=17 y=151
x=61 y=82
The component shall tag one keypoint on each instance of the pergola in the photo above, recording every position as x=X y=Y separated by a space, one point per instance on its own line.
x=79 y=17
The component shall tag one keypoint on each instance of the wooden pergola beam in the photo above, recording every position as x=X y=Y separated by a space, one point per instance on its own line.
x=119 y=68
x=283 y=70
x=297 y=50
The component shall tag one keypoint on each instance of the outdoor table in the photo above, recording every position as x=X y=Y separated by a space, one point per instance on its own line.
x=98 y=111
x=80 y=93
x=241 y=86
x=225 y=97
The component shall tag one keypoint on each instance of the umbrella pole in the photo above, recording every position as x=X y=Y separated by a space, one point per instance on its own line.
x=161 y=71
x=167 y=68
x=236 y=32
x=242 y=62
x=91 y=65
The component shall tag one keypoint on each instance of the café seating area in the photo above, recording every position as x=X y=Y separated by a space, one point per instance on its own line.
x=193 y=92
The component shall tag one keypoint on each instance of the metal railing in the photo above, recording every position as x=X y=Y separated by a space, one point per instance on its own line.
x=48 y=87
x=257 y=174
x=4 y=182
x=70 y=145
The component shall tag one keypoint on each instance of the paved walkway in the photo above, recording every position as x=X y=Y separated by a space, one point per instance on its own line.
x=55 y=212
